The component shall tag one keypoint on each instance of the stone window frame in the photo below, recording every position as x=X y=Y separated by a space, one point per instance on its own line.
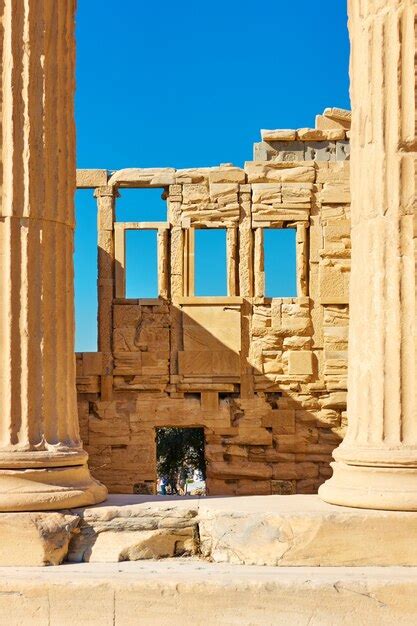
x=162 y=229
x=232 y=261
x=302 y=269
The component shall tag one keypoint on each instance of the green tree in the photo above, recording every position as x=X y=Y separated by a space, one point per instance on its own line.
x=177 y=448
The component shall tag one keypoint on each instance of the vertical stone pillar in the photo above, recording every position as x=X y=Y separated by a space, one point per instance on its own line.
x=376 y=465
x=106 y=283
x=42 y=463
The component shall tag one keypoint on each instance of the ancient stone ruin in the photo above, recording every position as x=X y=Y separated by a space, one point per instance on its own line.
x=265 y=377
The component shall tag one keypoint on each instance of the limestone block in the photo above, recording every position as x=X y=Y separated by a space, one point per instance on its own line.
x=333 y=172
x=282 y=421
x=342 y=150
x=297 y=193
x=224 y=193
x=135 y=546
x=335 y=134
x=143 y=177
x=299 y=530
x=336 y=336
x=91 y=363
x=263 y=151
x=337 y=230
x=193 y=175
x=208 y=363
x=326 y=123
x=279 y=134
x=221 y=322
x=285 y=151
x=294 y=471
x=227 y=175
x=335 y=400
x=300 y=363
x=174 y=191
x=335 y=193
x=283 y=487
x=243 y=469
x=90 y=179
x=248 y=487
x=320 y=151
x=133 y=532
x=297 y=342
x=311 y=134
x=197 y=338
x=250 y=436
x=88 y=384
x=266 y=193
x=111 y=429
x=334 y=284
x=272 y=363
x=279 y=172
x=338 y=114
x=33 y=539
x=195 y=193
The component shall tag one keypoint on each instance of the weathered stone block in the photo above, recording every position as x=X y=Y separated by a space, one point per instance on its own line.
x=279 y=134
x=287 y=151
x=33 y=539
x=320 y=150
x=90 y=179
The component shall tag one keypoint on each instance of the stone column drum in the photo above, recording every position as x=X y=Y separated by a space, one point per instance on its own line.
x=42 y=463
x=376 y=465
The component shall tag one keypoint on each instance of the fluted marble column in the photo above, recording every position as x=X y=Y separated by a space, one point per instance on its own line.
x=42 y=463
x=376 y=465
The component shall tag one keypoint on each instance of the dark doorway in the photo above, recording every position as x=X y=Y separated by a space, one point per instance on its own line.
x=181 y=465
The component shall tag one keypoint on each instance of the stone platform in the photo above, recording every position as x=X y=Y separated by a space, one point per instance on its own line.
x=183 y=592
x=258 y=530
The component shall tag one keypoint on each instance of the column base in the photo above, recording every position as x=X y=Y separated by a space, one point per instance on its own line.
x=49 y=488
x=370 y=487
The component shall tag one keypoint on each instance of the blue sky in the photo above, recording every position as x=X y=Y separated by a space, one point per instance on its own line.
x=190 y=84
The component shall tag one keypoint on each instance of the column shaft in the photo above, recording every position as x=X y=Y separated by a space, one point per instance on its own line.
x=376 y=465
x=42 y=463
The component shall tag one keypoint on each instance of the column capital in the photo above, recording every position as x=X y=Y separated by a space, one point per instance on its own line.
x=109 y=190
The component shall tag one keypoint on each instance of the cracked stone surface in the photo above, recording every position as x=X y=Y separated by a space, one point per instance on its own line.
x=256 y=530
x=35 y=538
x=191 y=591
x=130 y=529
x=274 y=531
x=302 y=530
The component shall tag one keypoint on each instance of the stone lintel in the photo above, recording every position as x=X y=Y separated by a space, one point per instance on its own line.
x=90 y=179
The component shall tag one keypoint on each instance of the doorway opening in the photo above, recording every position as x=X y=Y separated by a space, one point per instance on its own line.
x=181 y=465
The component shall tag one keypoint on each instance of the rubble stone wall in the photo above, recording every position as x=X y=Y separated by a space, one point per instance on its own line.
x=265 y=377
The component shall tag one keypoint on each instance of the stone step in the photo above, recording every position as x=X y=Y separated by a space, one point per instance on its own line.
x=256 y=530
x=253 y=530
x=182 y=592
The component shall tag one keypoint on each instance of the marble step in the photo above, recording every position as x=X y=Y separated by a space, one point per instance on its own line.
x=298 y=530
x=183 y=592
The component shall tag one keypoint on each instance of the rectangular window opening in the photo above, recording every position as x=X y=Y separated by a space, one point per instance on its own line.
x=141 y=205
x=141 y=264
x=85 y=271
x=210 y=262
x=181 y=465
x=280 y=262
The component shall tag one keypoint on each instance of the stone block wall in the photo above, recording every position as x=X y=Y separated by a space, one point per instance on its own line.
x=265 y=377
